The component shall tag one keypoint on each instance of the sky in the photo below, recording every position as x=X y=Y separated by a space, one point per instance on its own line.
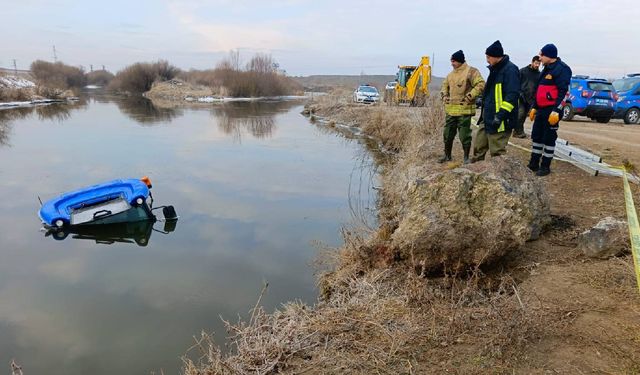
x=598 y=38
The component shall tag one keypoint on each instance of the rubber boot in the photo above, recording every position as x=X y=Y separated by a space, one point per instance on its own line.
x=534 y=162
x=545 y=167
x=466 y=149
x=543 y=171
x=447 y=152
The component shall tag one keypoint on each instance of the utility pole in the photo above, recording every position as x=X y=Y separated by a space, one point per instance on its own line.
x=15 y=67
x=433 y=60
x=91 y=67
x=103 y=67
x=55 y=55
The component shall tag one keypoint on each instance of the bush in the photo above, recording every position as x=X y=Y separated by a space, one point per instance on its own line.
x=99 y=77
x=139 y=77
x=207 y=77
x=259 y=78
x=58 y=75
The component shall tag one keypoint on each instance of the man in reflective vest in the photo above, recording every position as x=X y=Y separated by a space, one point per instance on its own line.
x=545 y=114
x=499 y=104
x=459 y=91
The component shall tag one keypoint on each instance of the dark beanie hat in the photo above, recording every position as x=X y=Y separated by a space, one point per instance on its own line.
x=549 y=50
x=495 y=50
x=458 y=56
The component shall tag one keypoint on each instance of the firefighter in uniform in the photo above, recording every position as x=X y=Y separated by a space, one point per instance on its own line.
x=545 y=114
x=499 y=105
x=459 y=91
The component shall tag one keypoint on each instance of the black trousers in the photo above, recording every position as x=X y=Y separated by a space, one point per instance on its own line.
x=523 y=112
x=543 y=137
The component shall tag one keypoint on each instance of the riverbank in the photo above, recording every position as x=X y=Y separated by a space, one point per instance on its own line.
x=537 y=307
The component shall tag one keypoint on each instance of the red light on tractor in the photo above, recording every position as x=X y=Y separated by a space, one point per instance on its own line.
x=585 y=94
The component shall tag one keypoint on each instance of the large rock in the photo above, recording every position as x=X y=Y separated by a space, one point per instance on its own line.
x=608 y=238
x=469 y=216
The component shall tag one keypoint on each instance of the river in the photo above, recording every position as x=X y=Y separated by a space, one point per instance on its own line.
x=256 y=187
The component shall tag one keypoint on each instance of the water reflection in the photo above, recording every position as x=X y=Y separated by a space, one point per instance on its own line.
x=249 y=212
x=256 y=118
x=143 y=111
x=54 y=111
x=136 y=232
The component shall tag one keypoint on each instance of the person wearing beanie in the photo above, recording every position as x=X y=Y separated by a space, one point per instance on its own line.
x=528 y=82
x=499 y=104
x=459 y=91
x=553 y=84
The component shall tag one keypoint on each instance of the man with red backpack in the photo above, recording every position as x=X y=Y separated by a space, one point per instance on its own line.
x=547 y=108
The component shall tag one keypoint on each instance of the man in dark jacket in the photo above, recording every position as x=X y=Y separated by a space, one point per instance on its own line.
x=499 y=104
x=528 y=81
x=553 y=85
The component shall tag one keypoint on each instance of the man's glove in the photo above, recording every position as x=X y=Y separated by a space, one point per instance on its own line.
x=554 y=118
x=532 y=114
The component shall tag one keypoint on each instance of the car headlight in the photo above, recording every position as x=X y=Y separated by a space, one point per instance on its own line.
x=621 y=99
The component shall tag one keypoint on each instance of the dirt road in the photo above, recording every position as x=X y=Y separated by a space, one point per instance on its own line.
x=614 y=141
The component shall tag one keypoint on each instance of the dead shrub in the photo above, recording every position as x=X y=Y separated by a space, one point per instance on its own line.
x=139 y=77
x=58 y=75
x=99 y=77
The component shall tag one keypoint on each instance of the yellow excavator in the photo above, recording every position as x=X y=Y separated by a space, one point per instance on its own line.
x=413 y=83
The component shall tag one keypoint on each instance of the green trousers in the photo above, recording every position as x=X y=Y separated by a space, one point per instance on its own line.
x=459 y=124
x=496 y=144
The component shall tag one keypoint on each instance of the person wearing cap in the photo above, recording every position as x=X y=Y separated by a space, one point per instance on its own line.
x=553 y=85
x=459 y=91
x=499 y=104
x=528 y=82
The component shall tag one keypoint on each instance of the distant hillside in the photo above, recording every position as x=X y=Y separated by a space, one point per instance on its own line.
x=328 y=82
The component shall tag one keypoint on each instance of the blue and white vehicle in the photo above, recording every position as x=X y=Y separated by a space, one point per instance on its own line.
x=366 y=94
x=628 y=105
x=591 y=97
x=117 y=201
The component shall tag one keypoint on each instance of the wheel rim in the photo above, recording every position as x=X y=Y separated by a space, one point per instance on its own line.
x=633 y=116
x=565 y=111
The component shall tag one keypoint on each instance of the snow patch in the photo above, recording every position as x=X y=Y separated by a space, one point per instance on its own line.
x=12 y=82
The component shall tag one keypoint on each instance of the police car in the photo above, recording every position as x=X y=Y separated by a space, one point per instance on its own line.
x=366 y=94
x=591 y=97
x=628 y=105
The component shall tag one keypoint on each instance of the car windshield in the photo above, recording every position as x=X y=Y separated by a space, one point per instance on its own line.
x=600 y=86
x=367 y=89
x=625 y=84
x=392 y=83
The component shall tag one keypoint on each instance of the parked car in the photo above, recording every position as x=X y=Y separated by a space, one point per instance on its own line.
x=391 y=85
x=628 y=105
x=591 y=97
x=366 y=94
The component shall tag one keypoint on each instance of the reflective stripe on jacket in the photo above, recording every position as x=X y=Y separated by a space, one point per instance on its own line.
x=460 y=89
x=500 y=99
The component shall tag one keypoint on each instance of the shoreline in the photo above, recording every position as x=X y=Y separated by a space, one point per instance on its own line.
x=385 y=309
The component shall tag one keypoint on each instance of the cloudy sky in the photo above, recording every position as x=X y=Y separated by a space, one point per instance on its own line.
x=321 y=37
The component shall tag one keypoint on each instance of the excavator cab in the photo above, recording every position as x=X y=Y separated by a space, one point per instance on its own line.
x=403 y=75
x=413 y=83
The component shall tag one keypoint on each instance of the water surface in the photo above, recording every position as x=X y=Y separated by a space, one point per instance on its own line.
x=255 y=185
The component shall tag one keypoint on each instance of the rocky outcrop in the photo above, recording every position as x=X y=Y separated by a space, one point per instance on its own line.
x=470 y=215
x=607 y=239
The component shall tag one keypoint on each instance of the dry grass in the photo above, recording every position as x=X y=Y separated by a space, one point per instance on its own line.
x=15 y=95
